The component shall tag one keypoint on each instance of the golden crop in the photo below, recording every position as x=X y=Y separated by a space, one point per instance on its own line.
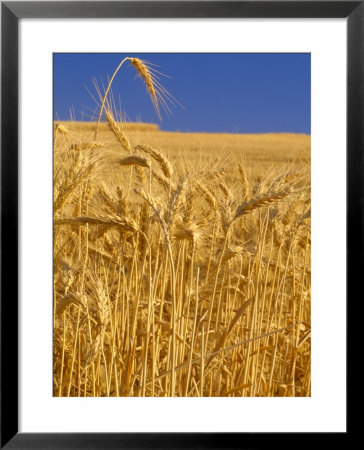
x=181 y=262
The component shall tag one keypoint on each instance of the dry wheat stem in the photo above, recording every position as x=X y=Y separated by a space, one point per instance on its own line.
x=144 y=72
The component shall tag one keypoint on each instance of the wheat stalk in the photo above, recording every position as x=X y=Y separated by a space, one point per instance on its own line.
x=156 y=91
x=163 y=162
x=134 y=160
x=118 y=133
x=61 y=129
x=252 y=205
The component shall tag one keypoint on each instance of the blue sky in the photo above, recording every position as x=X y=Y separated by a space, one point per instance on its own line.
x=220 y=92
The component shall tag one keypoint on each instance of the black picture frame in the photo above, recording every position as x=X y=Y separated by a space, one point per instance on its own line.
x=11 y=12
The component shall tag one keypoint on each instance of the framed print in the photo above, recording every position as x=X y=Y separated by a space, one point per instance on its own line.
x=159 y=165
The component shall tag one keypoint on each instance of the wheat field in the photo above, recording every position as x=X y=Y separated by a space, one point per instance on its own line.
x=181 y=260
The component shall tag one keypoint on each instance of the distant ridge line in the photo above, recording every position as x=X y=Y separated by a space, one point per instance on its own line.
x=130 y=126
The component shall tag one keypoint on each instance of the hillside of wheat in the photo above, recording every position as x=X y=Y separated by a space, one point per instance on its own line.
x=181 y=262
